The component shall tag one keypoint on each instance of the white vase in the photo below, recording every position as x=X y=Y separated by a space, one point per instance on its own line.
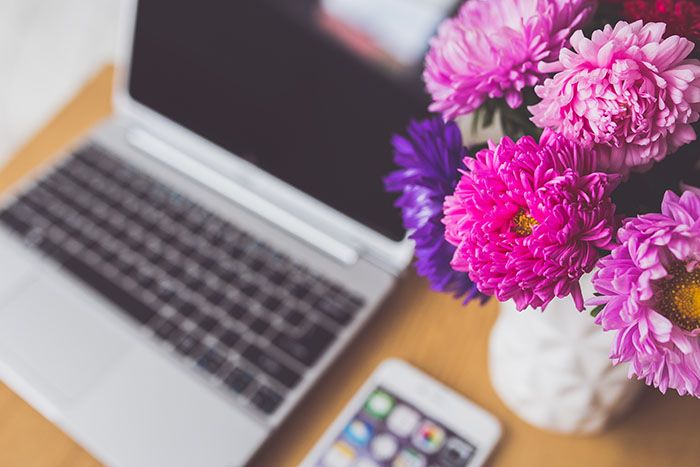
x=553 y=370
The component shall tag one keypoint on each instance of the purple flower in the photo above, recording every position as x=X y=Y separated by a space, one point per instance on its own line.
x=650 y=288
x=528 y=219
x=492 y=49
x=430 y=160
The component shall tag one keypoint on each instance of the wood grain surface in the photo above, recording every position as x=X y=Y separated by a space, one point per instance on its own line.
x=431 y=331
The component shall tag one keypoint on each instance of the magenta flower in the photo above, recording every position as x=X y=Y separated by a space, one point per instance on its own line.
x=650 y=289
x=627 y=92
x=528 y=219
x=492 y=48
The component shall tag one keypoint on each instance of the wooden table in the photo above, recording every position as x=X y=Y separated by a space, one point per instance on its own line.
x=429 y=330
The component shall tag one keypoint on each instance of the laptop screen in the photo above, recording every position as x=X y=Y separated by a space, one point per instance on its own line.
x=308 y=90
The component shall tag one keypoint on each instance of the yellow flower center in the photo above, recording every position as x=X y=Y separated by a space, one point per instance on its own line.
x=523 y=223
x=680 y=297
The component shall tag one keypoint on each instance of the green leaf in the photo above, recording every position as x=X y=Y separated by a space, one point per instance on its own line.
x=475 y=121
x=596 y=311
x=489 y=114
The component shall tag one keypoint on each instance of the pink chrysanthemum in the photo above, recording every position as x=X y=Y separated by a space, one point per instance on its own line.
x=650 y=289
x=528 y=218
x=492 y=49
x=626 y=92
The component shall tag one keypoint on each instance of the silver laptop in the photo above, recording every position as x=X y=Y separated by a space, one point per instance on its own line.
x=173 y=286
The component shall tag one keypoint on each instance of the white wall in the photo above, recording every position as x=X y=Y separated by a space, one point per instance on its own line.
x=48 y=48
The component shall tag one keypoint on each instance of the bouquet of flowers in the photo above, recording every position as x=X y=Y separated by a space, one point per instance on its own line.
x=599 y=102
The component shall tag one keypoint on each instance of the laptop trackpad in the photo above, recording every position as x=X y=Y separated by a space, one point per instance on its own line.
x=56 y=340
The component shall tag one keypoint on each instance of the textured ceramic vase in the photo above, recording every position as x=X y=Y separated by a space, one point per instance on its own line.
x=552 y=368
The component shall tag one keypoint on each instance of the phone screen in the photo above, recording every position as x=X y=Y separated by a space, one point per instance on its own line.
x=389 y=431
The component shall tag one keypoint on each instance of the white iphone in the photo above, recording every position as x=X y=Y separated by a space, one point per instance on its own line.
x=403 y=418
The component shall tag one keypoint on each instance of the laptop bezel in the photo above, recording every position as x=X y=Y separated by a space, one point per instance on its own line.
x=390 y=255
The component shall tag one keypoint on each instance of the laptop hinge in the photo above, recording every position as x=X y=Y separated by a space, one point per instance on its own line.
x=242 y=196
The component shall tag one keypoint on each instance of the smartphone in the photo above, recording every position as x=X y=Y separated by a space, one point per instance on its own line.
x=401 y=417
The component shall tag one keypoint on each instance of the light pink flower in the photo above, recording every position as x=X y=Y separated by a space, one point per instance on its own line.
x=492 y=48
x=627 y=92
x=650 y=288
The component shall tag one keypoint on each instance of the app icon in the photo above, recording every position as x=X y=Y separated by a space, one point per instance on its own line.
x=358 y=433
x=340 y=455
x=403 y=421
x=409 y=458
x=383 y=447
x=428 y=437
x=379 y=404
x=364 y=462
x=456 y=453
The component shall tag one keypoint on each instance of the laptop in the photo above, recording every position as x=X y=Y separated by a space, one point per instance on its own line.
x=174 y=284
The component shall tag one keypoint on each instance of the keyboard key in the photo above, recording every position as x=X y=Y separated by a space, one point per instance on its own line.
x=257 y=264
x=214 y=296
x=250 y=289
x=188 y=345
x=266 y=399
x=207 y=323
x=166 y=329
x=299 y=290
x=236 y=251
x=307 y=348
x=230 y=338
x=15 y=223
x=339 y=311
x=294 y=317
x=228 y=275
x=211 y=361
x=277 y=277
x=164 y=289
x=271 y=366
x=237 y=310
x=187 y=309
x=206 y=262
x=194 y=283
x=259 y=326
x=271 y=303
x=238 y=380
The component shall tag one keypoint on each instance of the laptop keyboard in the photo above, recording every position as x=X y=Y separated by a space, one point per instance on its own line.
x=251 y=319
